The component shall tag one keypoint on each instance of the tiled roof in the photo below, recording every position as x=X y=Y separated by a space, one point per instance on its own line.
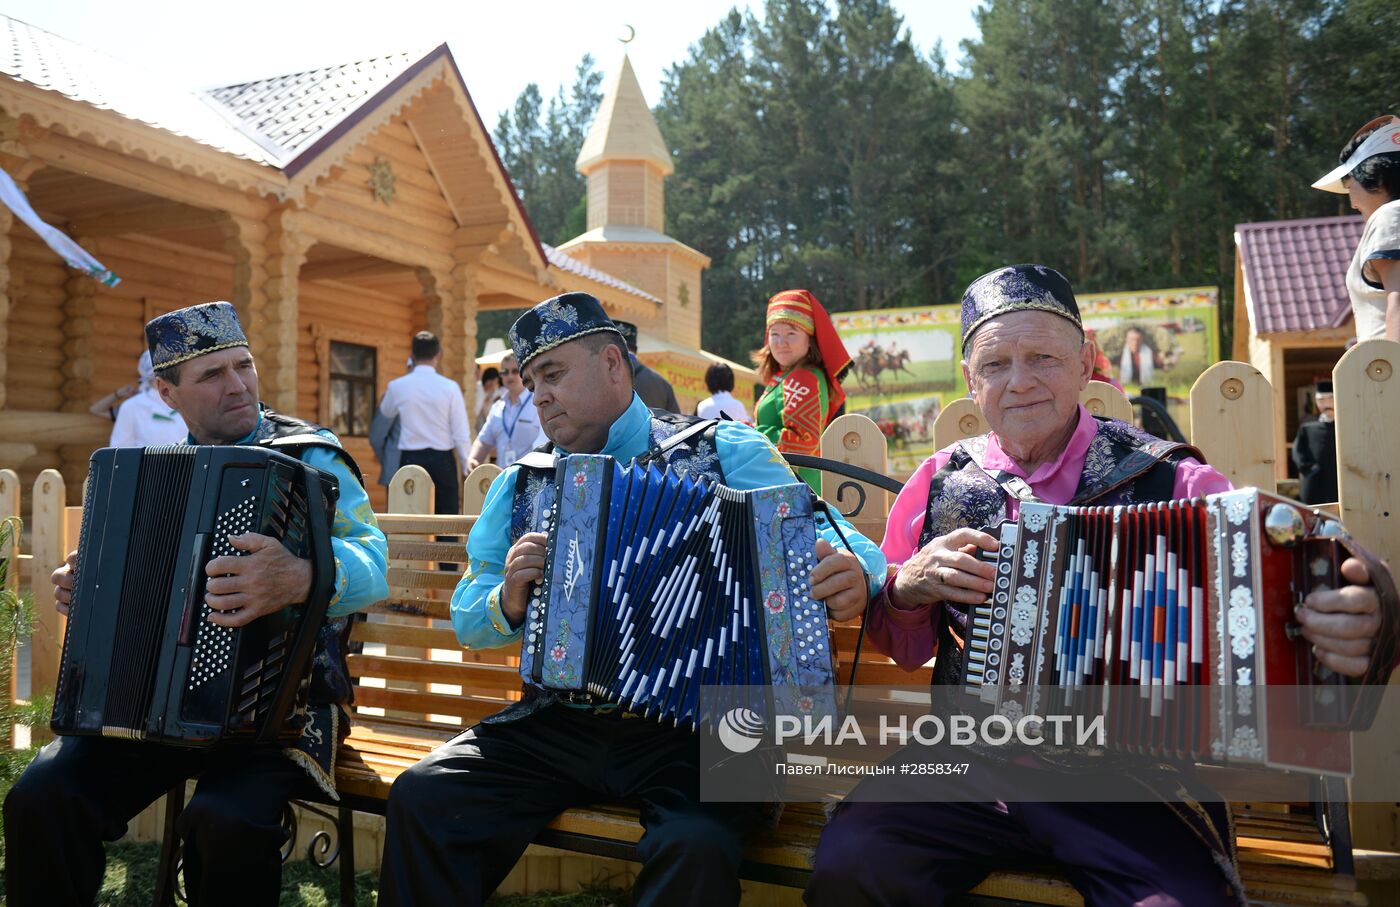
x=290 y=112
x=574 y=266
x=48 y=61
x=269 y=121
x=1296 y=271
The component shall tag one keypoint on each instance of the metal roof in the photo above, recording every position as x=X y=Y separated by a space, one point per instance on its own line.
x=48 y=61
x=574 y=266
x=1295 y=271
x=288 y=113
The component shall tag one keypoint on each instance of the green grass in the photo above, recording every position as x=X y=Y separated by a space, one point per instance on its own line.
x=131 y=876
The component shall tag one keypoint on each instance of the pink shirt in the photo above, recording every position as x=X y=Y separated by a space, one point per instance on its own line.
x=909 y=636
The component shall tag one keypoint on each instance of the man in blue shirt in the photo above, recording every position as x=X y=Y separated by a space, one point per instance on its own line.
x=80 y=791
x=460 y=819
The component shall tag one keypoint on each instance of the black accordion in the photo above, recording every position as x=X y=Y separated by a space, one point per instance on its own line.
x=141 y=659
x=659 y=587
x=1174 y=622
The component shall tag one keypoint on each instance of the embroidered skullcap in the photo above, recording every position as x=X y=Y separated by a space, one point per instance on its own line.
x=191 y=332
x=557 y=321
x=628 y=330
x=1017 y=288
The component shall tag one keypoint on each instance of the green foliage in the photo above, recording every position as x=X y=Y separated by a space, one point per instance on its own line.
x=1117 y=140
x=539 y=144
x=16 y=617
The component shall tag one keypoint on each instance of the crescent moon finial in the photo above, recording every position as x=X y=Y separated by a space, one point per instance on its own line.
x=631 y=35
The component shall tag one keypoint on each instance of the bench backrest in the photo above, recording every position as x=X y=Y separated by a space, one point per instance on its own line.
x=409 y=668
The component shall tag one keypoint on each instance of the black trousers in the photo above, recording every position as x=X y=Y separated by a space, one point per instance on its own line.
x=442 y=469
x=460 y=819
x=81 y=791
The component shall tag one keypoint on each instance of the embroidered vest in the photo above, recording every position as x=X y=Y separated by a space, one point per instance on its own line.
x=695 y=456
x=1123 y=465
x=330 y=675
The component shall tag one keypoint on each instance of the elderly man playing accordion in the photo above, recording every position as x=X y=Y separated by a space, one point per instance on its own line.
x=1026 y=363
x=459 y=820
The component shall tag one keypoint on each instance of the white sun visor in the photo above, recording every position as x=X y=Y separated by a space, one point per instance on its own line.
x=1384 y=140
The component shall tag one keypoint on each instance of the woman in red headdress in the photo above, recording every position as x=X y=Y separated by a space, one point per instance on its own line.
x=802 y=362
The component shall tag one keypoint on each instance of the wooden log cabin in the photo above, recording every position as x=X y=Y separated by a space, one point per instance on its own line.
x=340 y=210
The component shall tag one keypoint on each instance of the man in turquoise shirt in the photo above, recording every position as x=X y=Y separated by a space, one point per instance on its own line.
x=460 y=819
x=80 y=791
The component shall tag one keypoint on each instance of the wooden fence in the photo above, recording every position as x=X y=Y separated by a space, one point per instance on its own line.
x=1231 y=422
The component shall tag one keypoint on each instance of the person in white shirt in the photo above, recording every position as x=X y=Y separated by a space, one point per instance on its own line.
x=512 y=427
x=719 y=378
x=488 y=391
x=433 y=428
x=144 y=419
x=1369 y=173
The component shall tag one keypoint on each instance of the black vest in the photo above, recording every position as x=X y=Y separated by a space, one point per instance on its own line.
x=330 y=676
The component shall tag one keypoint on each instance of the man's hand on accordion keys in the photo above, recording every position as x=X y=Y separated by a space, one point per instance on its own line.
x=264 y=580
x=1342 y=624
x=524 y=567
x=947 y=569
x=839 y=580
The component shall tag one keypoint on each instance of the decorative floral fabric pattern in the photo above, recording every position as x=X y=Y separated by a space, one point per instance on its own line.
x=556 y=321
x=190 y=332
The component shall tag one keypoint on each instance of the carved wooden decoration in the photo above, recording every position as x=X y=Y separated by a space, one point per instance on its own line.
x=382 y=180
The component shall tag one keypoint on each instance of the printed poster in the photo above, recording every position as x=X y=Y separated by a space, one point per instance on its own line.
x=907 y=362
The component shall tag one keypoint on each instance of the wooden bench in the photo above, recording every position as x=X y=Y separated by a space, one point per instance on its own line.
x=416 y=688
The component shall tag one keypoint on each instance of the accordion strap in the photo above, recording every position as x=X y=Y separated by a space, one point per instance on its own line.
x=677 y=439
x=536 y=459
x=1387 y=649
x=304 y=440
x=1012 y=484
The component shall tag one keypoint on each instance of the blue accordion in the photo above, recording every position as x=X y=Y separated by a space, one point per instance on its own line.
x=658 y=587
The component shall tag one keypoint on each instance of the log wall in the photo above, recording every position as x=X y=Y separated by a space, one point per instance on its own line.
x=334 y=311
x=35 y=376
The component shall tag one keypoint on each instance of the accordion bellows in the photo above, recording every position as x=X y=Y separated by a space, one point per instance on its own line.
x=661 y=590
x=1175 y=622
x=140 y=658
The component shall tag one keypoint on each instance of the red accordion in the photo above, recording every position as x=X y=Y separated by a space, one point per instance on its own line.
x=1175 y=622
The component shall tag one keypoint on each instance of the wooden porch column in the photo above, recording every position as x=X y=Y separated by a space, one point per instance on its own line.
x=445 y=320
x=246 y=240
x=276 y=344
x=466 y=258
x=452 y=308
x=6 y=222
x=79 y=341
x=16 y=161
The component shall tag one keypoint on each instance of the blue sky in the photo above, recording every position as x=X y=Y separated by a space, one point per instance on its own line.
x=500 y=47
